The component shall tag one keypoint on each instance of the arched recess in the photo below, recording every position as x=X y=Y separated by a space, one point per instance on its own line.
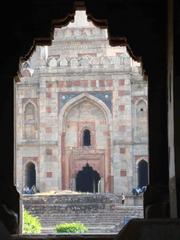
x=141 y=120
x=143 y=173
x=80 y=98
x=30 y=121
x=141 y=105
x=30 y=175
x=71 y=139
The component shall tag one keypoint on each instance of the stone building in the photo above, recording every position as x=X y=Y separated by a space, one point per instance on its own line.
x=81 y=115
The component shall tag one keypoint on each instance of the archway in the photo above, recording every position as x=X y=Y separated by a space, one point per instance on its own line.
x=87 y=180
x=30 y=175
x=142 y=173
x=82 y=139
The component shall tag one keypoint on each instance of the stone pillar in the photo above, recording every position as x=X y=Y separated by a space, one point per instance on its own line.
x=102 y=185
x=73 y=184
x=94 y=186
x=9 y=197
x=175 y=75
x=62 y=160
x=174 y=181
x=173 y=121
x=156 y=198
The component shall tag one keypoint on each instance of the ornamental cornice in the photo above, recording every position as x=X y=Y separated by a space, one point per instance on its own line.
x=87 y=61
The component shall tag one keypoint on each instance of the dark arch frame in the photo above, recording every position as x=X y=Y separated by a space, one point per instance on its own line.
x=158 y=91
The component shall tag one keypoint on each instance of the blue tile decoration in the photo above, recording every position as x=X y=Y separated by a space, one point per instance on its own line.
x=105 y=96
x=65 y=97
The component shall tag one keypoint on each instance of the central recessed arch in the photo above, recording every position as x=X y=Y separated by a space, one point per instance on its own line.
x=81 y=98
x=82 y=138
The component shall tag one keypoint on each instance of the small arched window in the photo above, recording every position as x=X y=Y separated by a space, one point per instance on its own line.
x=141 y=107
x=141 y=128
x=86 y=138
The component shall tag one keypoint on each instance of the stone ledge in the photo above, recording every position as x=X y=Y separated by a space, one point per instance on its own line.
x=66 y=237
x=150 y=229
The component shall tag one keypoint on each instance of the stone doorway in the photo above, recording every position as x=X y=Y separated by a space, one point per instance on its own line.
x=87 y=180
x=30 y=175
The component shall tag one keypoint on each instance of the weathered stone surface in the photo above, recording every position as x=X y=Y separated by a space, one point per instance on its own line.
x=78 y=83
x=101 y=213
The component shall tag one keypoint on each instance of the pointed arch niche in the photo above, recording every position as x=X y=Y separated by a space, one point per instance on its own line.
x=85 y=114
x=141 y=123
x=30 y=121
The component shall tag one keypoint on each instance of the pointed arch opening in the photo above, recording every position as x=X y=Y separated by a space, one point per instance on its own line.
x=30 y=175
x=141 y=125
x=142 y=173
x=87 y=180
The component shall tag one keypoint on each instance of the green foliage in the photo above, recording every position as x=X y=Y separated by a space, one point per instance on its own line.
x=74 y=227
x=31 y=224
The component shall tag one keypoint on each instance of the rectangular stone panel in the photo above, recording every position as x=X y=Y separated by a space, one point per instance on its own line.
x=123 y=173
x=122 y=150
x=121 y=108
x=48 y=151
x=49 y=174
x=121 y=82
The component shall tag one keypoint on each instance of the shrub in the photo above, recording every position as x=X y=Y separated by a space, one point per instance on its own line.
x=31 y=224
x=74 y=227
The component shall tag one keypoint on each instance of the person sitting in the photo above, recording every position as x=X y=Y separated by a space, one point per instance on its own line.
x=138 y=190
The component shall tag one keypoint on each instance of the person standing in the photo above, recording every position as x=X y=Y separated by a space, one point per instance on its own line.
x=123 y=198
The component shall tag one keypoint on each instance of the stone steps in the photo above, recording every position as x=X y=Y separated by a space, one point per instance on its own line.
x=104 y=216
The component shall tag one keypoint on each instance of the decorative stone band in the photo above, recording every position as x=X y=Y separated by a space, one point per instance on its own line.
x=87 y=61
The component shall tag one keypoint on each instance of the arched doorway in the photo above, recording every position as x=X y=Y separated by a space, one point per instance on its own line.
x=142 y=173
x=87 y=180
x=30 y=175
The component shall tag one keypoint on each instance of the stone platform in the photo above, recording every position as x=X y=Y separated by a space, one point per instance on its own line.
x=101 y=213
